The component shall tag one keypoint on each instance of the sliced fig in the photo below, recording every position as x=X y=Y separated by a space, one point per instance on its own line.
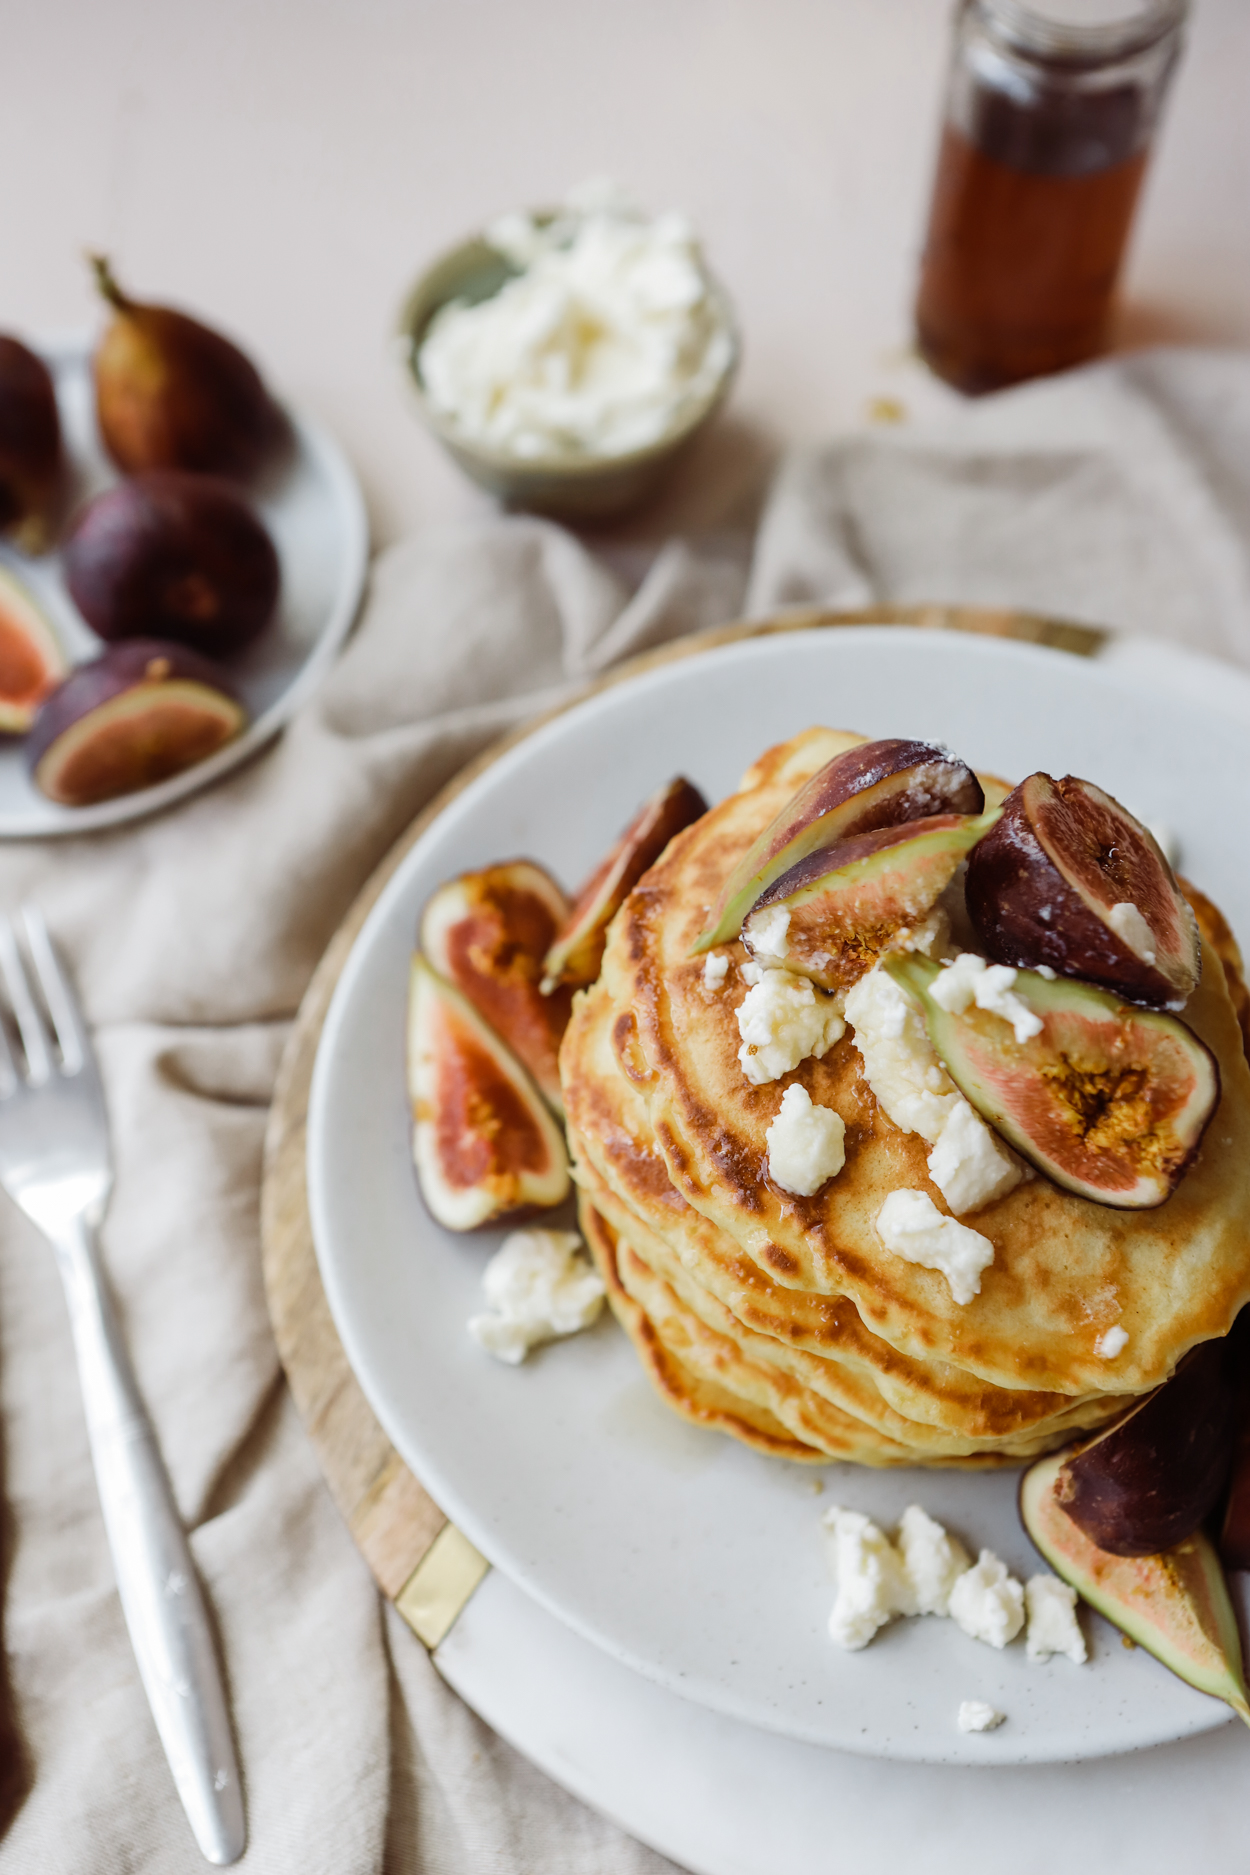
x=577 y=952
x=1109 y=1100
x=875 y=784
x=847 y=903
x=142 y=712
x=173 y=555
x=483 y=1141
x=1148 y=1481
x=1175 y=1604
x=1068 y=878
x=31 y=462
x=488 y=933
x=31 y=659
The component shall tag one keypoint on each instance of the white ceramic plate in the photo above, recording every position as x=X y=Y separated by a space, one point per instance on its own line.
x=683 y=1554
x=314 y=511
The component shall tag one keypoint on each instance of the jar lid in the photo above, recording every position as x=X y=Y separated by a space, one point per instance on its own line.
x=1081 y=32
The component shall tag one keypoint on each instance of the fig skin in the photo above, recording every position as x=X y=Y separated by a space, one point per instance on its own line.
x=874 y=784
x=1026 y=904
x=1149 y=1481
x=32 y=662
x=31 y=462
x=173 y=394
x=176 y=556
x=131 y=718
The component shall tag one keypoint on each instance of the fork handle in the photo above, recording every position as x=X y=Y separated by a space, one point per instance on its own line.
x=160 y=1590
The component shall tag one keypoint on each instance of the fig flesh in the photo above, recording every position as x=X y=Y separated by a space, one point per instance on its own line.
x=173 y=394
x=31 y=659
x=140 y=713
x=1068 y=878
x=848 y=903
x=1109 y=1100
x=30 y=446
x=875 y=784
x=488 y=933
x=576 y=954
x=1150 y=1480
x=172 y=555
x=483 y=1141
x=1175 y=1604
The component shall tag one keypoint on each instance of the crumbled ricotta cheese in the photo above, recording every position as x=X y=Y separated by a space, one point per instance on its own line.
x=1053 y=1626
x=1112 y=1342
x=806 y=1144
x=975 y=1716
x=932 y=1562
x=900 y=1066
x=987 y=1602
x=868 y=1575
x=751 y=972
x=969 y=1164
x=764 y=934
x=910 y=1224
x=715 y=969
x=970 y=979
x=782 y=1020
x=1044 y=970
x=608 y=337
x=537 y=1287
x=1127 y=923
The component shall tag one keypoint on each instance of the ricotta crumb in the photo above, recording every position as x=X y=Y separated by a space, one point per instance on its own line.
x=910 y=1224
x=987 y=1602
x=751 y=972
x=969 y=979
x=1127 y=923
x=932 y=1559
x=715 y=969
x=969 y=1164
x=1053 y=1626
x=975 y=1716
x=538 y=1287
x=806 y=1144
x=782 y=1020
x=1112 y=1342
x=868 y=1575
x=909 y=1082
x=764 y=934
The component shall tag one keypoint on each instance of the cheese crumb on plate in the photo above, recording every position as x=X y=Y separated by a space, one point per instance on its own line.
x=538 y=1287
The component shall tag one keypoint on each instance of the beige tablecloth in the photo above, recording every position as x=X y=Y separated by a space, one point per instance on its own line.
x=1120 y=496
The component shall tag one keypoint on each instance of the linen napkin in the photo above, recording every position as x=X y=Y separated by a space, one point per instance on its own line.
x=1119 y=495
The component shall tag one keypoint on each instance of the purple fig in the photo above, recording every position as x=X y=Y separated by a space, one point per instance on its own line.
x=31 y=659
x=1068 y=878
x=30 y=445
x=142 y=712
x=171 y=555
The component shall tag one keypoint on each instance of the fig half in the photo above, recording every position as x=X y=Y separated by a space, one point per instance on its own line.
x=31 y=659
x=1148 y=1481
x=1174 y=1604
x=875 y=784
x=488 y=933
x=30 y=445
x=1109 y=1100
x=142 y=712
x=846 y=904
x=1068 y=878
x=483 y=1141
x=576 y=954
x=172 y=555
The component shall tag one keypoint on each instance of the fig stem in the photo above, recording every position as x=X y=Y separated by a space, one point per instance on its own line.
x=105 y=282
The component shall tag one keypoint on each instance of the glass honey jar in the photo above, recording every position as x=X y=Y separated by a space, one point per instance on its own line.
x=1050 y=111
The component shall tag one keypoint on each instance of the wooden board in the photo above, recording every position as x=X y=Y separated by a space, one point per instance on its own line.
x=419 y=1560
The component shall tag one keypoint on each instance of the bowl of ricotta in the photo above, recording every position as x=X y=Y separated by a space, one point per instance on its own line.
x=566 y=357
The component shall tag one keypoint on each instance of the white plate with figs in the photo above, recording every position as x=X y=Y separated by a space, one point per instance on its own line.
x=311 y=505
x=685 y=1555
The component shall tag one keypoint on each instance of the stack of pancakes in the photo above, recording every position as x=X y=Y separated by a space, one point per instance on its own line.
x=784 y=1320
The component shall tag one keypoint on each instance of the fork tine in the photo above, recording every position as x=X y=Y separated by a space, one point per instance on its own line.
x=8 y=1072
x=70 y=1034
x=29 y=1021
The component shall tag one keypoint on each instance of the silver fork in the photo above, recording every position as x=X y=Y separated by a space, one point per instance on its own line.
x=56 y=1164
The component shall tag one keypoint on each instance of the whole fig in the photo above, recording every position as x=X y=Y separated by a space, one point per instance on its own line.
x=173 y=394
x=172 y=555
x=30 y=445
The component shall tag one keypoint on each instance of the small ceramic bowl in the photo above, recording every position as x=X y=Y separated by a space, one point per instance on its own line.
x=587 y=488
